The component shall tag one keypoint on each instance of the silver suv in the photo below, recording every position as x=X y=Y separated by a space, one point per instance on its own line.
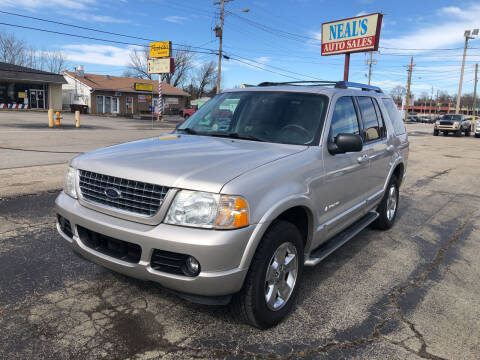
x=254 y=186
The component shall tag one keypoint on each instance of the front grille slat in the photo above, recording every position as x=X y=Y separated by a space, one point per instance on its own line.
x=136 y=197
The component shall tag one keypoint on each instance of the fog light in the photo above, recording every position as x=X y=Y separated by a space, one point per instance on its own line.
x=192 y=266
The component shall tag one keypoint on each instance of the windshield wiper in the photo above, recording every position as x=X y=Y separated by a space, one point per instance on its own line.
x=188 y=131
x=237 y=136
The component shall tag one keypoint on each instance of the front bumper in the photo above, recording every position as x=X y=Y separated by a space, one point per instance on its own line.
x=446 y=128
x=219 y=252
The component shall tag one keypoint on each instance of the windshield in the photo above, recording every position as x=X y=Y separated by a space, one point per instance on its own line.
x=279 y=117
x=452 y=117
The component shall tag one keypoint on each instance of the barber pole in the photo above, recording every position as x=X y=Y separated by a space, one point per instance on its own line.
x=159 y=105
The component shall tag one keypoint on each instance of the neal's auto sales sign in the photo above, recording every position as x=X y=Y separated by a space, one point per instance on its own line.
x=361 y=33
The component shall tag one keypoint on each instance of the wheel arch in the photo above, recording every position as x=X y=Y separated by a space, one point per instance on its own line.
x=298 y=211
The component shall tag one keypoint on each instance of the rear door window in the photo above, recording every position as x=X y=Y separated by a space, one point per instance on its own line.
x=394 y=115
x=371 y=124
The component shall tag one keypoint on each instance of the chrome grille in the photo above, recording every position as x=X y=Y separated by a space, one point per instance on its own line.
x=446 y=123
x=135 y=196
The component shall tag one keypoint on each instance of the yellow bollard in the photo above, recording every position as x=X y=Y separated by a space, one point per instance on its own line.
x=77 y=119
x=50 y=118
x=57 y=118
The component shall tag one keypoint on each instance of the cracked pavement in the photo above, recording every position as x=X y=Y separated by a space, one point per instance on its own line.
x=408 y=293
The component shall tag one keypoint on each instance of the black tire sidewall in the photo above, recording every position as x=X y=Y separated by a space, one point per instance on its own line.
x=279 y=233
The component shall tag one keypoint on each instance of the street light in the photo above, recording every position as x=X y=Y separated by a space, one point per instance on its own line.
x=219 y=33
x=469 y=35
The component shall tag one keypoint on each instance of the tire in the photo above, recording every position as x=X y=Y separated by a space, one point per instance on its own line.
x=435 y=132
x=458 y=133
x=467 y=133
x=477 y=135
x=386 y=219
x=250 y=304
x=186 y=116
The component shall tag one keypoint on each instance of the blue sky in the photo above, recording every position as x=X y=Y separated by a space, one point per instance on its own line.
x=407 y=25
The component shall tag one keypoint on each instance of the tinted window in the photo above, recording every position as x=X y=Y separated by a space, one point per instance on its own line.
x=344 y=119
x=369 y=118
x=381 y=121
x=394 y=116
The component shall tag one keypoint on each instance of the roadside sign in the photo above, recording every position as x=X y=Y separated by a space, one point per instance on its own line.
x=357 y=34
x=161 y=66
x=160 y=49
x=143 y=87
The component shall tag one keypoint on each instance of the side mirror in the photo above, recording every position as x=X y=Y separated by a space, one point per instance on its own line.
x=345 y=143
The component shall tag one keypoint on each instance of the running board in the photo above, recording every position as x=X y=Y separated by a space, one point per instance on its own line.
x=334 y=243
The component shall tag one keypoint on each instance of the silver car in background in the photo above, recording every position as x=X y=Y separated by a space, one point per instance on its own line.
x=254 y=186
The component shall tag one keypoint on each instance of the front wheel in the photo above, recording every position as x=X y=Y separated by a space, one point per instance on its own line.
x=272 y=281
x=458 y=133
x=387 y=209
x=435 y=132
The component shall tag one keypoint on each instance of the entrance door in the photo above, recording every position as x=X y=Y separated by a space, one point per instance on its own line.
x=33 y=99
x=108 y=104
x=40 y=99
x=37 y=99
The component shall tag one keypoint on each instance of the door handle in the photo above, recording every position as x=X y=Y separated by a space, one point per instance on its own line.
x=362 y=159
x=390 y=148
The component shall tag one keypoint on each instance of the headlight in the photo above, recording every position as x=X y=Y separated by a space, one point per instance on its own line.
x=207 y=210
x=70 y=182
x=437 y=122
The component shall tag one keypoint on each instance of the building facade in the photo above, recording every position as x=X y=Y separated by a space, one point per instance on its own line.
x=26 y=88
x=115 y=95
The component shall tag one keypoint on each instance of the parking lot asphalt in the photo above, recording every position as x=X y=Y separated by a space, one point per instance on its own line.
x=407 y=293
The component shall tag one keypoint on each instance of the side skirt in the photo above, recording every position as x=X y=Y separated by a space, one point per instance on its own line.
x=320 y=253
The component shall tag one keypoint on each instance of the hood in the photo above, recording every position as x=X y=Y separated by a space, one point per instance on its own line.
x=184 y=161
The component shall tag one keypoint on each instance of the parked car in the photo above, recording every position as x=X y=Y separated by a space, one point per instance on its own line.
x=452 y=123
x=257 y=184
x=477 y=128
x=188 y=111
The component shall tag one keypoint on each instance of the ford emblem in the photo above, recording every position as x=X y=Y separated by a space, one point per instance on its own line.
x=112 y=193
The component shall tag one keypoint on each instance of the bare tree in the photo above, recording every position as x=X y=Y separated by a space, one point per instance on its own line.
x=55 y=62
x=205 y=78
x=15 y=51
x=137 y=66
x=398 y=92
x=183 y=65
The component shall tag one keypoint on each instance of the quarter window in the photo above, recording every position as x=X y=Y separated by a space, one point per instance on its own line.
x=344 y=119
x=369 y=118
x=381 y=120
x=394 y=116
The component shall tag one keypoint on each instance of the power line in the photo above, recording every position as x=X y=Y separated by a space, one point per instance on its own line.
x=212 y=52
x=93 y=29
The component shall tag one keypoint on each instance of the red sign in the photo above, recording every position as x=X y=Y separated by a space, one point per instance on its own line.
x=361 y=33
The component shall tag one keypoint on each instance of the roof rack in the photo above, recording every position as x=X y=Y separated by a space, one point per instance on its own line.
x=336 y=84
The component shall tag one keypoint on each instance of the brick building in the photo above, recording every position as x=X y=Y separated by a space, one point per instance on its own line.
x=106 y=94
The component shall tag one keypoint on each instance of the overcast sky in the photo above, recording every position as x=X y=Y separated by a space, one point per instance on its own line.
x=266 y=54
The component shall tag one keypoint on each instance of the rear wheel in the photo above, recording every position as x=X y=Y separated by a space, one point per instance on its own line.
x=186 y=116
x=387 y=209
x=272 y=281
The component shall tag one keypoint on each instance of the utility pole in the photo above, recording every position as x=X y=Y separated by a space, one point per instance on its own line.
x=219 y=34
x=407 y=101
x=436 y=105
x=370 y=63
x=431 y=100
x=474 y=97
x=469 y=35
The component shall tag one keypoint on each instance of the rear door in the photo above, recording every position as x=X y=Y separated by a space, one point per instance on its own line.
x=376 y=144
x=343 y=196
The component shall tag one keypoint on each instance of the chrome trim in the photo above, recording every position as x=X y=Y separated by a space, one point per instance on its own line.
x=346 y=212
